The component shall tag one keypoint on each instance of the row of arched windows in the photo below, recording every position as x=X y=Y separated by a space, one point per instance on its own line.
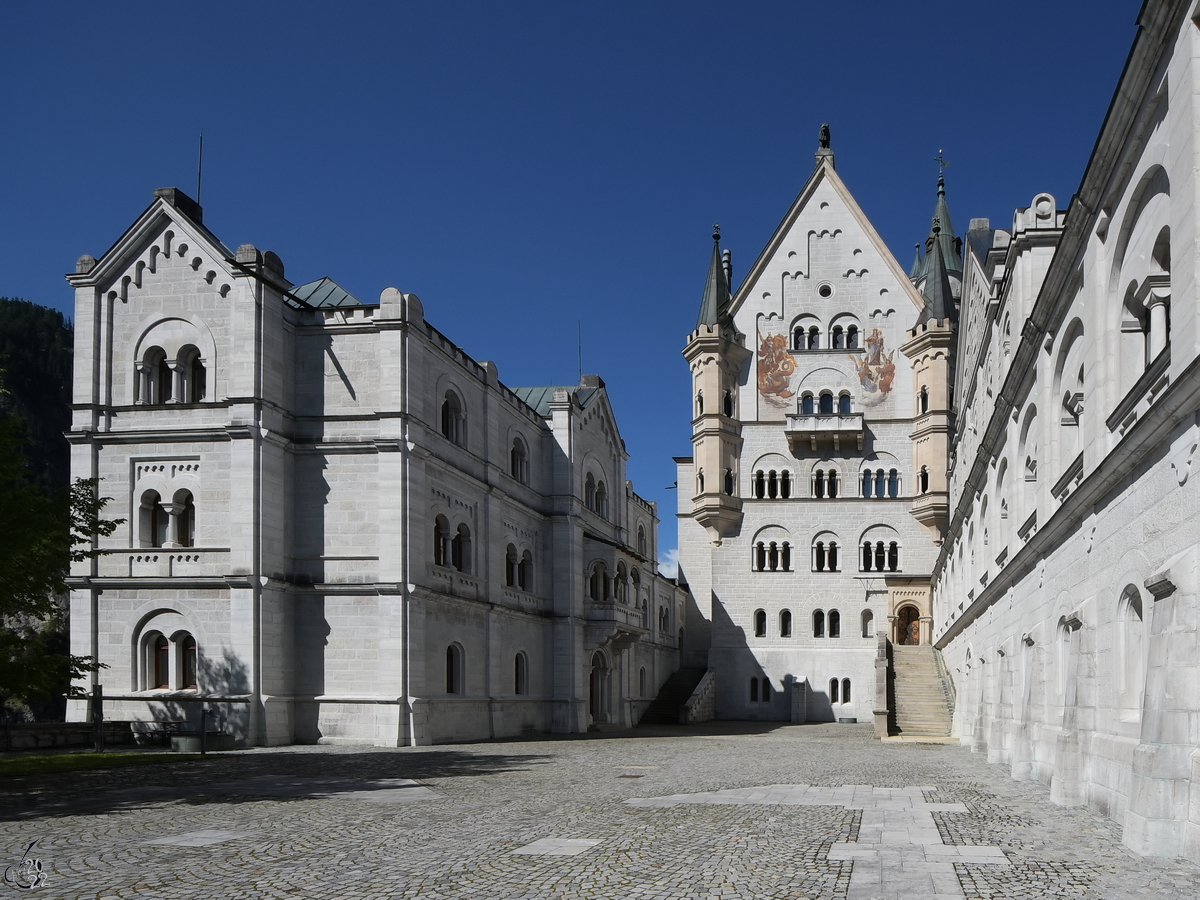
x=839 y=338
x=181 y=380
x=879 y=484
x=772 y=557
x=726 y=403
x=624 y=587
x=825 y=484
x=456 y=675
x=163 y=524
x=819 y=620
x=879 y=557
x=825 y=404
x=170 y=663
x=771 y=485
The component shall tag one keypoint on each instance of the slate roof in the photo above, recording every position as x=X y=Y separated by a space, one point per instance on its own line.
x=939 y=301
x=325 y=294
x=715 y=304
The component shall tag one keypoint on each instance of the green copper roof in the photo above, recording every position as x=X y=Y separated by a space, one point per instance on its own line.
x=715 y=302
x=325 y=294
x=915 y=272
x=939 y=301
x=941 y=218
x=538 y=398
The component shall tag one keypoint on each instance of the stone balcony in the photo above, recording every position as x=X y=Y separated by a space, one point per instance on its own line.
x=165 y=562
x=612 y=623
x=841 y=430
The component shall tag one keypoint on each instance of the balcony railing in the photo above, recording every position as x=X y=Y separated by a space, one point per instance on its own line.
x=806 y=431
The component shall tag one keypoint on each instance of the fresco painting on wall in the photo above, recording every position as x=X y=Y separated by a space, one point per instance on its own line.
x=775 y=369
x=876 y=370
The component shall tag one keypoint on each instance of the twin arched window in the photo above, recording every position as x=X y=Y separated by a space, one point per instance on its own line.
x=772 y=557
x=595 y=496
x=819 y=620
x=833 y=690
x=518 y=569
x=825 y=484
x=880 y=484
x=180 y=380
x=167 y=524
x=880 y=557
x=451 y=548
x=766 y=690
x=454 y=419
x=518 y=461
x=170 y=664
x=598 y=582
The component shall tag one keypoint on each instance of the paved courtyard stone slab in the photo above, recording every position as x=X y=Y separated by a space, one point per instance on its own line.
x=731 y=811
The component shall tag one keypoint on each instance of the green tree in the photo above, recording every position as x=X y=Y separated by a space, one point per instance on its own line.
x=41 y=533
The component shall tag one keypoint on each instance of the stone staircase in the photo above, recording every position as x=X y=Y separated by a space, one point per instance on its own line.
x=922 y=702
x=668 y=705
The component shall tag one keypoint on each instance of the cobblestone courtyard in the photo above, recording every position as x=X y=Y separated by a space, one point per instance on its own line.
x=728 y=812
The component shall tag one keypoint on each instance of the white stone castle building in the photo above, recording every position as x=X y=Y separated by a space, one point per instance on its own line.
x=339 y=525
x=1044 y=416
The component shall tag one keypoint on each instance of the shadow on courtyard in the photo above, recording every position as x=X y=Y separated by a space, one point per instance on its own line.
x=281 y=775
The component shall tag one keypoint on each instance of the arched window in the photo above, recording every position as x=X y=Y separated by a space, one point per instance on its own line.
x=601 y=500
x=833 y=690
x=879 y=556
x=759 y=563
x=160 y=649
x=729 y=482
x=785 y=557
x=819 y=560
x=635 y=580
x=727 y=403
x=867 y=555
x=868 y=478
x=191 y=374
x=753 y=690
x=831 y=558
x=759 y=486
x=831 y=483
x=525 y=572
x=621 y=584
x=598 y=582
x=835 y=624
x=441 y=541
x=510 y=566
x=760 y=623
x=153 y=521
x=520 y=675
x=785 y=623
x=819 y=484
x=518 y=462
x=806 y=405
x=454 y=670
x=589 y=490
x=642 y=682
x=460 y=549
x=923 y=401
x=868 y=623
x=844 y=404
x=185 y=519
x=799 y=340
x=838 y=338
x=818 y=624
x=893 y=483
x=852 y=337
x=772 y=485
x=454 y=421
x=785 y=485
x=923 y=481
x=188 y=663
x=845 y=690
x=641 y=540
x=880 y=484
x=826 y=405
x=814 y=338
x=772 y=556
x=155 y=378
x=893 y=559
x=1131 y=654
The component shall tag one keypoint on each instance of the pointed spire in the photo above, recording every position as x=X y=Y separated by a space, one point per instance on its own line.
x=715 y=302
x=915 y=272
x=939 y=301
x=941 y=218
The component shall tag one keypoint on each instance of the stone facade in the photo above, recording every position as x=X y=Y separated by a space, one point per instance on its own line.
x=1067 y=592
x=340 y=527
x=796 y=536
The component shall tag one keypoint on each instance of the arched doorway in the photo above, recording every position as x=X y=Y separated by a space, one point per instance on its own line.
x=598 y=688
x=908 y=626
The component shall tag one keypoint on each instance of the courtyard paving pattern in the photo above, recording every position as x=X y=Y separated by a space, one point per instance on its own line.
x=729 y=811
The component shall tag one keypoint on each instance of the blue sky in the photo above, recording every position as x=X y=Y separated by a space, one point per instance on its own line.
x=527 y=166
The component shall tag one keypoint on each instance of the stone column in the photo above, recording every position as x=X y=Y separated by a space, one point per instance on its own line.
x=177 y=380
x=174 y=511
x=1158 y=302
x=143 y=385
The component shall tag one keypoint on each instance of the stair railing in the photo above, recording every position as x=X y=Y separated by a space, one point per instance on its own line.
x=882 y=710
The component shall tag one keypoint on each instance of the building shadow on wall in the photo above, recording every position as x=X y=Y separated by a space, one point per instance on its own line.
x=223 y=697
x=731 y=643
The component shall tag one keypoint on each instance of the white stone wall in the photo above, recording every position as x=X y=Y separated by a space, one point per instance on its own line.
x=1067 y=602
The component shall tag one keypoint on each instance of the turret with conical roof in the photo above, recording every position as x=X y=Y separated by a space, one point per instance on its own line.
x=715 y=353
x=941 y=232
x=939 y=297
